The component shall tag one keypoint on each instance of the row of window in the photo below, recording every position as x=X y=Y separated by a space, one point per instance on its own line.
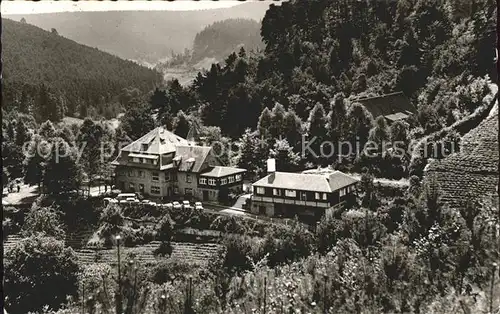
x=205 y=180
x=155 y=176
x=293 y=194
x=223 y=181
x=346 y=190
x=138 y=160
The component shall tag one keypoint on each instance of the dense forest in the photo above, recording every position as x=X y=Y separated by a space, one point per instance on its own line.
x=49 y=76
x=218 y=40
x=390 y=249
x=320 y=57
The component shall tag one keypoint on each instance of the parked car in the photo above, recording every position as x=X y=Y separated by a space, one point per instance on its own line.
x=176 y=205
x=146 y=201
x=124 y=196
x=186 y=204
x=198 y=206
x=168 y=205
x=131 y=199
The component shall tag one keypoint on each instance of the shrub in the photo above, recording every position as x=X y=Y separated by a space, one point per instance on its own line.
x=288 y=244
x=164 y=249
x=169 y=270
x=165 y=229
x=39 y=271
x=45 y=221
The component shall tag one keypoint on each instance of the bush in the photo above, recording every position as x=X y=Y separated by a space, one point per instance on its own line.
x=169 y=270
x=39 y=271
x=45 y=221
x=238 y=253
x=288 y=244
x=165 y=249
x=165 y=229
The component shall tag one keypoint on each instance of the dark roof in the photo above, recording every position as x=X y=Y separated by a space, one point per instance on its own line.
x=473 y=172
x=388 y=104
x=192 y=157
x=220 y=171
x=306 y=182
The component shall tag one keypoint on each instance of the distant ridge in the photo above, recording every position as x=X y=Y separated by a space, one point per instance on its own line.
x=140 y=35
x=82 y=75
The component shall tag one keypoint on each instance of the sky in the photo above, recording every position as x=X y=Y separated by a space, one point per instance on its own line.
x=30 y=7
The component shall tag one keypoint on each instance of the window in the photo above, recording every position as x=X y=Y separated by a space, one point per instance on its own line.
x=188 y=191
x=317 y=195
x=131 y=173
x=231 y=179
x=277 y=192
x=144 y=161
x=211 y=181
x=238 y=177
x=155 y=189
x=223 y=181
x=342 y=192
x=155 y=161
x=188 y=178
x=290 y=193
x=144 y=146
x=141 y=173
x=156 y=176
x=260 y=190
x=324 y=197
x=131 y=186
x=167 y=176
x=141 y=188
x=135 y=159
x=303 y=196
x=203 y=180
x=176 y=190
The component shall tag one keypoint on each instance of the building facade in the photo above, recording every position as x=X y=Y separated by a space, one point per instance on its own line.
x=163 y=165
x=287 y=194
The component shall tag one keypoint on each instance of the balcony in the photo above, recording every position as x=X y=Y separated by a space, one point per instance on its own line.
x=282 y=200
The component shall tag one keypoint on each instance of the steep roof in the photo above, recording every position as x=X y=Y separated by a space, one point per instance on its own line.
x=473 y=172
x=192 y=157
x=158 y=141
x=221 y=171
x=388 y=104
x=306 y=182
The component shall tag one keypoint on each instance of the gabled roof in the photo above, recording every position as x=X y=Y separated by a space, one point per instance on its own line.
x=338 y=180
x=192 y=157
x=158 y=141
x=306 y=182
x=220 y=171
x=388 y=104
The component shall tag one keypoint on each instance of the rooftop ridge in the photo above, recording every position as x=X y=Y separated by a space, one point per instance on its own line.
x=381 y=96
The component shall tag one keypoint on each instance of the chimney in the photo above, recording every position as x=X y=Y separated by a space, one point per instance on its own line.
x=271 y=170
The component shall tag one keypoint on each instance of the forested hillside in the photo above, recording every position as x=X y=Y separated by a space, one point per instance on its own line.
x=140 y=35
x=321 y=56
x=220 y=39
x=50 y=76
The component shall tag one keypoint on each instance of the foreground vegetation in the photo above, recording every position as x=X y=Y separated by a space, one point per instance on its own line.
x=409 y=254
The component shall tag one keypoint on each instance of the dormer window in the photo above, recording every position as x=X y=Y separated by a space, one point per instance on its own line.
x=144 y=147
